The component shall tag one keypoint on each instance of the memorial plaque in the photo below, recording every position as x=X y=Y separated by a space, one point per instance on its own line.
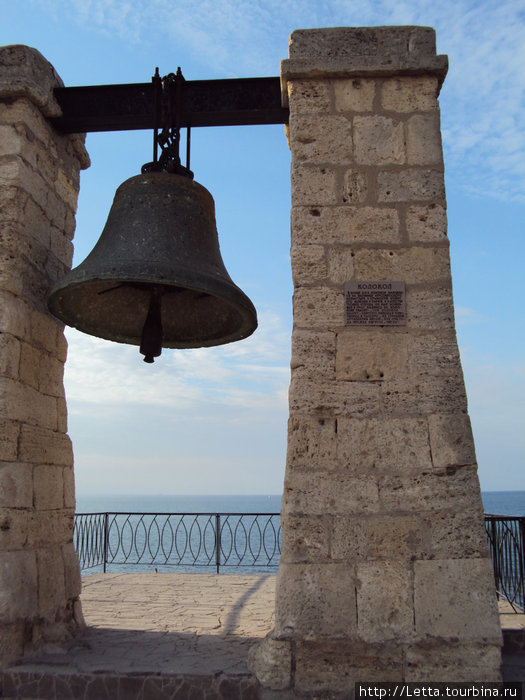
x=375 y=304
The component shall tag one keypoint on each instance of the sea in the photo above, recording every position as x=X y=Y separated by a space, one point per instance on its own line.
x=494 y=502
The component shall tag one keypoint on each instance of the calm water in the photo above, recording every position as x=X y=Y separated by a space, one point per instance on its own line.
x=496 y=502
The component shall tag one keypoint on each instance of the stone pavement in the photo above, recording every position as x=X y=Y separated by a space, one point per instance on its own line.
x=155 y=636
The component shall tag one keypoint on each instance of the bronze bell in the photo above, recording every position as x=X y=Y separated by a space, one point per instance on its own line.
x=156 y=278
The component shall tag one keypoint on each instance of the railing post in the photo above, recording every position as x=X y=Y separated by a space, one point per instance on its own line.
x=217 y=541
x=106 y=517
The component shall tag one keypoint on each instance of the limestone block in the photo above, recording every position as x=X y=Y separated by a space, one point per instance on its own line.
x=51 y=582
x=26 y=114
x=45 y=330
x=35 y=222
x=354 y=95
x=435 y=354
x=271 y=662
x=379 y=536
x=345 y=225
x=72 y=578
x=61 y=246
x=321 y=398
x=16 y=485
x=14 y=528
x=410 y=94
x=453 y=662
x=321 y=139
x=382 y=444
x=336 y=665
x=312 y=442
x=384 y=601
x=318 y=307
x=21 y=402
x=41 y=445
x=313 y=354
x=69 y=487
x=308 y=264
x=426 y=223
x=9 y=432
x=309 y=96
x=424 y=140
x=61 y=415
x=306 y=539
x=14 y=171
x=14 y=315
x=451 y=440
x=24 y=72
x=457 y=534
x=319 y=492
x=9 y=355
x=424 y=394
x=340 y=265
x=49 y=527
x=66 y=188
x=30 y=365
x=355 y=187
x=51 y=376
x=61 y=346
x=409 y=265
x=49 y=486
x=311 y=185
x=431 y=308
x=447 y=605
x=410 y=185
x=315 y=600
x=371 y=355
x=379 y=140
x=11 y=643
x=18 y=585
x=429 y=491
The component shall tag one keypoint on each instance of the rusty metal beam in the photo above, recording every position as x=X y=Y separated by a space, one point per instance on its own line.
x=204 y=103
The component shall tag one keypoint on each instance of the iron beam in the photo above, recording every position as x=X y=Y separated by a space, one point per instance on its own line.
x=232 y=102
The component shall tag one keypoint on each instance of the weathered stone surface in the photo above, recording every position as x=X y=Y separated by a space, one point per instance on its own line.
x=345 y=225
x=308 y=264
x=271 y=662
x=457 y=534
x=319 y=140
x=379 y=140
x=18 y=585
x=313 y=185
x=20 y=402
x=72 y=578
x=9 y=356
x=374 y=445
x=322 y=398
x=379 y=536
x=424 y=140
x=409 y=265
x=454 y=662
x=49 y=486
x=318 y=307
x=309 y=96
x=430 y=309
x=16 y=484
x=313 y=354
x=384 y=612
x=410 y=185
x=340 y=265
x=306 y=539
x=355 y=187
x=424 y=394
x=455 y=598
x=44 y=446
x=319 y=492
x=312 y=442
x=451 y=440
x=51 y=582
x=316 y=601
x=355 y=95
x=410 y=94
x=370 y=355
x=426 y=223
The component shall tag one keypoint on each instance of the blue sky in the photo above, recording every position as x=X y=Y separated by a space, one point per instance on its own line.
x=214 y=420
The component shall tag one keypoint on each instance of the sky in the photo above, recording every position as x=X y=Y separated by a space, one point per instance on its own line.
x=213 y=421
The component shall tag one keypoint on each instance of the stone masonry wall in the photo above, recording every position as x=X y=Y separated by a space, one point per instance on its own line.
x=385 y=574
x=39 y=180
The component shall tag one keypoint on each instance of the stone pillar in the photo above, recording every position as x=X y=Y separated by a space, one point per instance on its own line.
x=385 y=573
x=39 y=180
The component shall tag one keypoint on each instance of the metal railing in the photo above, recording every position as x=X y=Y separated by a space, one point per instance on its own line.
x=142 y=540
x=506 y=537
x=247 y=541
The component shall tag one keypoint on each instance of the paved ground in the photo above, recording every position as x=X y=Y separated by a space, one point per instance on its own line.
x=191 y=631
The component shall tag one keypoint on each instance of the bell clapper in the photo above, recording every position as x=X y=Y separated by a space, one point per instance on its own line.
x=151 y=340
